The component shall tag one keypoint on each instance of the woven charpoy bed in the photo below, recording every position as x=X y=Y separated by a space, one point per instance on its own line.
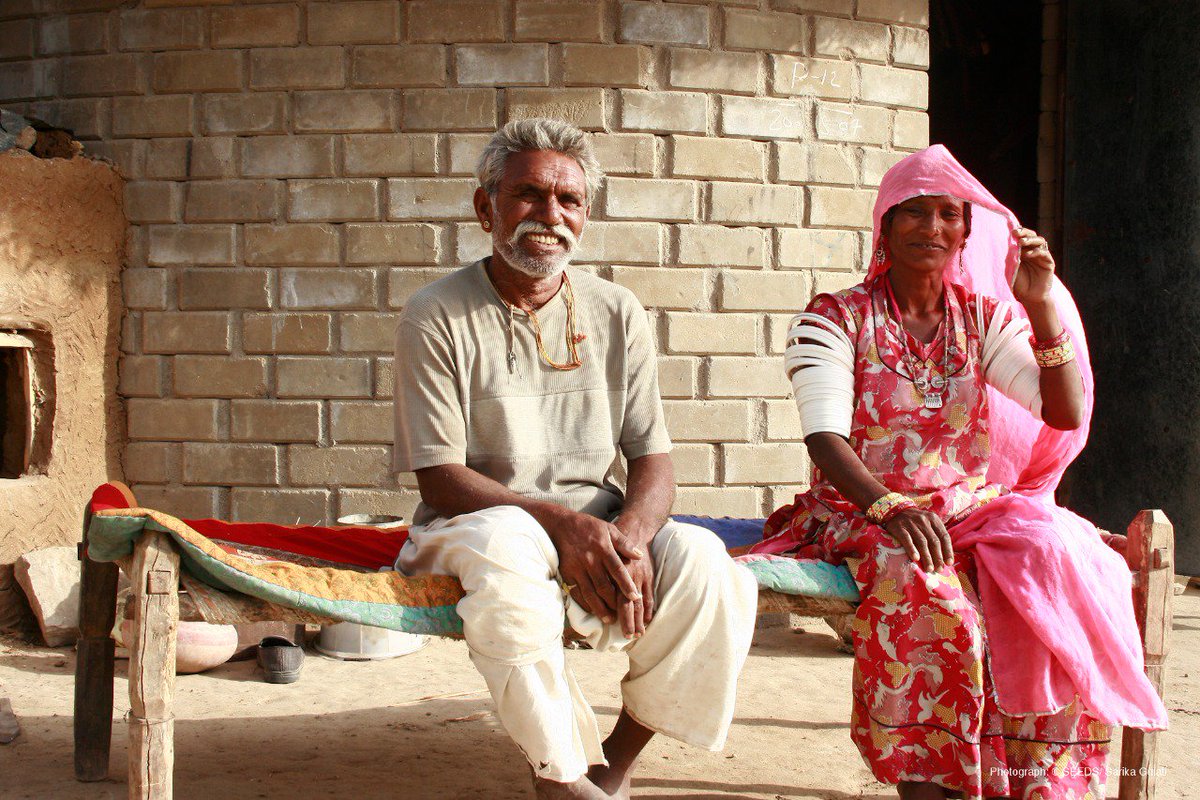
x=233 y=572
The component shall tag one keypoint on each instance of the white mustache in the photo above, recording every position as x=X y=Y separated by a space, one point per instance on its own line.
x=531 y=226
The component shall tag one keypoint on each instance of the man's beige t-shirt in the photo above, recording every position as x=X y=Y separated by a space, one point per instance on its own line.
x=544 y=433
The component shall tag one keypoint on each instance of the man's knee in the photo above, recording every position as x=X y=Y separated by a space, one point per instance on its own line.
x=509 y=519
x=509 y=538
x=513 y=611
x=690 y=546
x=689 y=555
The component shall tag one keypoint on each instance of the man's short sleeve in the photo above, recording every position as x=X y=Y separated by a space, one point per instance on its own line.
x=643 y=431
x=429 y=425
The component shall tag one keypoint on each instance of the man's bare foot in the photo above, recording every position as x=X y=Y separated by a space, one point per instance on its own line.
x=910 y=790
x=582 y=789
x=614 y=783
x=621 y=750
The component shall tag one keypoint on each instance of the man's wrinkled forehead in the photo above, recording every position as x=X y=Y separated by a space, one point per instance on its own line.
x=543 y=170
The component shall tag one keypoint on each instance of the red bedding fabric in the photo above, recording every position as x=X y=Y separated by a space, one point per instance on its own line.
x=361 y=546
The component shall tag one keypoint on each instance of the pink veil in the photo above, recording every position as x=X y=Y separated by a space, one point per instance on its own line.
x=1057 y=600
x=1027 y=456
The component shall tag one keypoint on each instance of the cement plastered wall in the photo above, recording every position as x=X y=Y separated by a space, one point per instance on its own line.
x=61 y=239
x=297 y=170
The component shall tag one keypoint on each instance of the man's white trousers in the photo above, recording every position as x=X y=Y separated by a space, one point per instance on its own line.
x=682 y=672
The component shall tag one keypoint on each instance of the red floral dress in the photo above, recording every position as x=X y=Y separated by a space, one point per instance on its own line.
x=924 y=706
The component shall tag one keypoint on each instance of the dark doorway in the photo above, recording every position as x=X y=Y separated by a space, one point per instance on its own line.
x=984 y=94
x=1132 y=244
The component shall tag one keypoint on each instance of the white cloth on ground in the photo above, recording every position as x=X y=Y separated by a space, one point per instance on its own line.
x=683 y=671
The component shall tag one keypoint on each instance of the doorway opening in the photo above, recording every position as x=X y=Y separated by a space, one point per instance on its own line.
x=985 y=96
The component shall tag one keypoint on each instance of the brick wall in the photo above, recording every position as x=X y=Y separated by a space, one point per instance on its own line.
x=297 y=170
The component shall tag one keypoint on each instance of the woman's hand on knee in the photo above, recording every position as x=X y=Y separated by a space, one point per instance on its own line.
x=923 y=536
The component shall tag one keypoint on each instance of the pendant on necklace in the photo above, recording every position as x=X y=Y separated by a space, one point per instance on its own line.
x=512 y=362
x=921 y=384
x=938 y=382
x=933 y=401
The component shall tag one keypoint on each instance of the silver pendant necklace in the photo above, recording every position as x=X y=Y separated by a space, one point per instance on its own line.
x=933 y=388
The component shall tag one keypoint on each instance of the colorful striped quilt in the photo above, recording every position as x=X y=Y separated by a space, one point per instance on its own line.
x=345 y=572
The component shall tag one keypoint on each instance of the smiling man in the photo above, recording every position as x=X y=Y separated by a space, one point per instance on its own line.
x=518 y=383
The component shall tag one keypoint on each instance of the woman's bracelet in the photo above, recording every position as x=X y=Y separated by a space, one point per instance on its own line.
x=1062 y=338
x=1054 y=353
x=885 y=508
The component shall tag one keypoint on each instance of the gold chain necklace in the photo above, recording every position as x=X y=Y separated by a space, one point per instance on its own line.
x=572 y=338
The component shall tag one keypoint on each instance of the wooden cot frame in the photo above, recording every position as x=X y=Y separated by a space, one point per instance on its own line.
x=154 y=572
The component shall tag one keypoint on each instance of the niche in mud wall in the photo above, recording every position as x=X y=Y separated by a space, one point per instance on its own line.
x=26 y=402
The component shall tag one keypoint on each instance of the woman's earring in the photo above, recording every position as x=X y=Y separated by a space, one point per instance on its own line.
x=962 y=267
x=880 y=254
x=487 y=226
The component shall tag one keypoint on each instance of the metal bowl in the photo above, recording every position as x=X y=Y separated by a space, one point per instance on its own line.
x=372 y=520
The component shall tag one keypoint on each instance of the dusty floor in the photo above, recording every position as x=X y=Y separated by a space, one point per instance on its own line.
x=420 y=727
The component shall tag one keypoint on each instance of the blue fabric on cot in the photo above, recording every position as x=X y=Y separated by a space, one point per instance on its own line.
x=732 y=531
x=799 y=576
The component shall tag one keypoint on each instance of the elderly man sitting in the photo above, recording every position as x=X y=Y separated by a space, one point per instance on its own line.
x=517 y=382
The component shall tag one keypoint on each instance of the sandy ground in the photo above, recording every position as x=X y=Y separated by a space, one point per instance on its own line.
x=421 y=727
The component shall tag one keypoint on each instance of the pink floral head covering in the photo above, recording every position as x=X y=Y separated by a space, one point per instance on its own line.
x=1027 y=455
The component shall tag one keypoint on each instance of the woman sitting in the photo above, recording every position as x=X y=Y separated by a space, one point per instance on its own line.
x=938 y=434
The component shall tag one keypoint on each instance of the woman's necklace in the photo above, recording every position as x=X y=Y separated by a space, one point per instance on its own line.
x=574 y=361
x=932 y=388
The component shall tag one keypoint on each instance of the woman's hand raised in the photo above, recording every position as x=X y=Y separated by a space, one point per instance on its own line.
x=1035 y=273
x=923 y=537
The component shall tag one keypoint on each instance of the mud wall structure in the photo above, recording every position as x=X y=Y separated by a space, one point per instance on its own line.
x=62 y=234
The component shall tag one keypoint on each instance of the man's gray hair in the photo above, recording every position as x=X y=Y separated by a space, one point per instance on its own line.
x=537 y=133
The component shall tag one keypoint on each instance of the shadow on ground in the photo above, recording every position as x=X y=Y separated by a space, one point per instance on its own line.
x=297 y=756
x=704 y=790
x=47 y=661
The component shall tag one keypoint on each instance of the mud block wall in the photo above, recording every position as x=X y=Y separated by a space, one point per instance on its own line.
x=62 y=236
x=298 y=169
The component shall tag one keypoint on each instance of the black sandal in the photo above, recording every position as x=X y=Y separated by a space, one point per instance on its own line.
x=280 y=659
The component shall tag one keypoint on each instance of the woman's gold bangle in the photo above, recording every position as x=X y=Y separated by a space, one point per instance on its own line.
x=1054 y=353
x=888 y=506
x=1055 y=356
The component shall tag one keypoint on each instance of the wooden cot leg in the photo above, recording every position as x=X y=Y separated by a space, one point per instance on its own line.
x=94 y=668
x=152 y=668
x=1150 y=552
